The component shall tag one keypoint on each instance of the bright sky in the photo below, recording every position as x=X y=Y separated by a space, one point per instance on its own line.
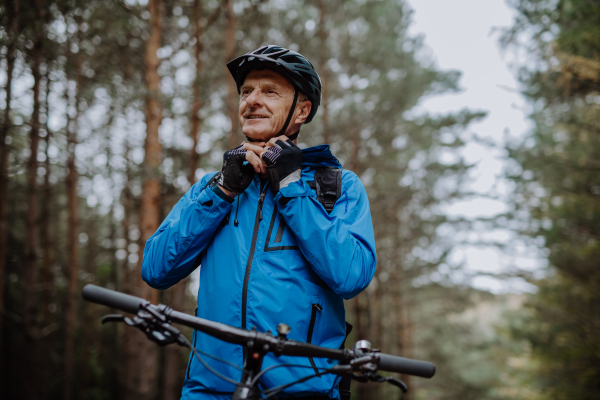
x=460 y=35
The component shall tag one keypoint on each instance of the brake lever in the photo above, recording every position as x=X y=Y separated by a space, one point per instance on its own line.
x=153 y=323
x=366 y=372
x=396 y=382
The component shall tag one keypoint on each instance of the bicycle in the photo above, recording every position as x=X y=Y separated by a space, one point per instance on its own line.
x=360 y=364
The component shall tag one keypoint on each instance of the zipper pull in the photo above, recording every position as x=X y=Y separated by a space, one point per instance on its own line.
x=318 y=307
x=261 y=199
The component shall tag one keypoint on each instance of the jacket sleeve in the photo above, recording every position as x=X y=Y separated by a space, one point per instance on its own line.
x=341 y=246
x=171 y=253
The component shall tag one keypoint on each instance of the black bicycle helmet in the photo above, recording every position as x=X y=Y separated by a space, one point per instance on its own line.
x=293 y=66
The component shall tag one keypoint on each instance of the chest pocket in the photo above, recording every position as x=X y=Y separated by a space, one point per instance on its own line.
x=279 y=236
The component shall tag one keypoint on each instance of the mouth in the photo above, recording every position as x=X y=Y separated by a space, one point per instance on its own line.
x=256 y=117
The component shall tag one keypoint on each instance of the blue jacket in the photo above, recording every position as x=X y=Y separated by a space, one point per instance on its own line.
x=287 y=261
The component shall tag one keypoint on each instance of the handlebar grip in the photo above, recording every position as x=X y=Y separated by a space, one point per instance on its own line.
x=406 y=366
x=110 y=298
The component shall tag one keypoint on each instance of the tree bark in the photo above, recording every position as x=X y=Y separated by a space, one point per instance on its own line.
x=173 y=356
x=72 y=235
x=45 y=219
x=144 y=376
x=232 y=94
x=197 y=103
x=30 y=262
x=12 y=10
x=324 y=71
x=402 y=323
x=149 y=208
x=32 y=228
x=128 y=380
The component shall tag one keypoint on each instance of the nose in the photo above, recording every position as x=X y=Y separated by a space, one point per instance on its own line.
x=254 y=99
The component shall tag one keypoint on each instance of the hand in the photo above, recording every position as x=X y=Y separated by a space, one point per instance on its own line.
x=235 y=176
x=284 y=162
x=253 y=156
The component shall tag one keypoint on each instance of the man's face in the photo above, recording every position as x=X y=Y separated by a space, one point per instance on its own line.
x=265 y=101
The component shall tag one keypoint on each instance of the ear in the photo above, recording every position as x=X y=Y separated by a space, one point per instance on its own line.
x=305 y=108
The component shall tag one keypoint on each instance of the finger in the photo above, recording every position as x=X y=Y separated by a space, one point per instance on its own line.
x=282 y=144
x=251 y=158
x=266 y=149
x=254 y=147
x=271 y=143
x=256 y=162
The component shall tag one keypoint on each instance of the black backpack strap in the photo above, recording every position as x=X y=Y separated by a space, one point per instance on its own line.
x=328 y=184
x=211 y=181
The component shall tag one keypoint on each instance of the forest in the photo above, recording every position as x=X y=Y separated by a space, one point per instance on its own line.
x=113 y=109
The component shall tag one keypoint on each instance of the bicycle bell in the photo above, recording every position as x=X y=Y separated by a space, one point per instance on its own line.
x=363 y=345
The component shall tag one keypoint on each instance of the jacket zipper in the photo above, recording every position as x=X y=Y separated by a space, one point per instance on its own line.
x=257 y=220
x=311 y=327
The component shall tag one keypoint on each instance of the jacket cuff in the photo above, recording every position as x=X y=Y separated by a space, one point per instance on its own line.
x=217 y=190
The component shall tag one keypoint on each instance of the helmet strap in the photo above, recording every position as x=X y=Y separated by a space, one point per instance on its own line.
x=293 y=136
x=291 y=113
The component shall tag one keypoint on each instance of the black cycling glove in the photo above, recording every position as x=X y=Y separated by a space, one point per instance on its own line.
x=284 y=164
x=235 y=176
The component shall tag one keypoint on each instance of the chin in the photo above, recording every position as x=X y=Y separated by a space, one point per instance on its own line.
x=258 y=134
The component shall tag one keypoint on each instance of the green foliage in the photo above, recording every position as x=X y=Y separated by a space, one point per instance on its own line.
x=459 y=332
x=556 y=175
x=563 y=337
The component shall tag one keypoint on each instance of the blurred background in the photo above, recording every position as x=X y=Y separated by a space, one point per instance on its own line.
x=474 y=126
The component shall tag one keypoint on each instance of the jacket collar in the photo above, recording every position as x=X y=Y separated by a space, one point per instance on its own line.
x=319 y=156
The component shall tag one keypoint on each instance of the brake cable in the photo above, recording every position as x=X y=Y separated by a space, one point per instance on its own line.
x=153 y=322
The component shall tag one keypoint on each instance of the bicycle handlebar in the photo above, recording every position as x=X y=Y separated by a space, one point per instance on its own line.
x=112 y=299
x=407 y=366
x=239 y=336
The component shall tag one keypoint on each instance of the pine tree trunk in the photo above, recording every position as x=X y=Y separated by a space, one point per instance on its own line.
x=324 y=71
x=72 y=236
x=32 y=228
x=45 y=219
x=197 y=103
x=128 y=379
x=12 y=11
x=173 y=371
x=47 y=325
x=86 y=378
x=407 y=339
x=400 y=308
x=144 y=376
x=232 y=94
x=30 y=262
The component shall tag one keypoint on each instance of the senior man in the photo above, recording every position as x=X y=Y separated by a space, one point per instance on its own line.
x=271 y=247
